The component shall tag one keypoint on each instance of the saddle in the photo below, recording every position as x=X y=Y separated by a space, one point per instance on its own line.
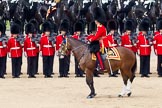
x=111 y=54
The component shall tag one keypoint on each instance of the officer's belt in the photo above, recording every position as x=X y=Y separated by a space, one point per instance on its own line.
x=32 y=48
x=15 y=48
x=128 y=45
x=47 y=46
x=145 y=45
x=112 y=45
x=1 y=47
x=159 y=45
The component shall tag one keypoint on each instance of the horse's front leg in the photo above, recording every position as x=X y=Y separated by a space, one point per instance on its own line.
x=89 y=81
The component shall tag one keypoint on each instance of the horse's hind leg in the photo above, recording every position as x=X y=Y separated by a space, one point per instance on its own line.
x=125 y=80
x=89 y=81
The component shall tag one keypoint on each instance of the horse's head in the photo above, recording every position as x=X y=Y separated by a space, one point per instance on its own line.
x=65 y=48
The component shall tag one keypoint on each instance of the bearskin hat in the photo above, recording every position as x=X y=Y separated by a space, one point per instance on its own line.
x=92 y=26
x=129 y=25
x=29 y=28
x=144 y=25
x=15 y=29
x=99 y=15
x=159 y=24
x=64 y=26
x=1 y=27
x=35 y=23
x=78 y=26
x=53 y=26
x=112 y=24
x=46 y=26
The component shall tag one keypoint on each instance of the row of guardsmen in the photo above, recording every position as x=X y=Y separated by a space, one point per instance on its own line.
x=48 y=46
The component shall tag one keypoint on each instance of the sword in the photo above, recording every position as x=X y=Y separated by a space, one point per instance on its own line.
x=111 y=72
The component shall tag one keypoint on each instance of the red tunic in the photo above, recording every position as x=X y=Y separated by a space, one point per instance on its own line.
x=109 y=41
x=59 y=40
x=126 y=42
x=14 y=48
x=3 y=50
x=75 y=36
x=46 y=46
x=143 y=45
x=158 y=44
x=30 y=47
x=101 y=32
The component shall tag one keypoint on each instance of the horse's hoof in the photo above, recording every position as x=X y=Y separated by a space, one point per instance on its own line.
x=129 y=94
x=91 y=96
x=120 y=95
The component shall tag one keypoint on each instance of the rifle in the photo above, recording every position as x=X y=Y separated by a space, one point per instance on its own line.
x=133 y=38
x=20 y=38
x=4 y=40
x=36 y=39
x=117 y=38
x=52 y=38
x=149 y=37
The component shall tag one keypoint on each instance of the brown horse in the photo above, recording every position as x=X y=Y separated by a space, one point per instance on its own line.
x=127 y=64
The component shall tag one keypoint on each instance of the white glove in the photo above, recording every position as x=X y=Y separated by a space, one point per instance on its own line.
x=9 y=55
x=40 y=53
x=25 y=54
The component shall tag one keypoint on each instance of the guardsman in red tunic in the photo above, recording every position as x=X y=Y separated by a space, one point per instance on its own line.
x=3 y=51
x=128 y=40
x=158 y=46
x=92 y=30
x=47 y=49
x=36 y=31
x=97 y=40
x=15 y=51
x=109 y=40
x=64 y=60
x=78 y=29
x=30 y=50
x=144 y=47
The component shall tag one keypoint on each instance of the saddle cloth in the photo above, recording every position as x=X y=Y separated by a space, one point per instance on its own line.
x=112 y=54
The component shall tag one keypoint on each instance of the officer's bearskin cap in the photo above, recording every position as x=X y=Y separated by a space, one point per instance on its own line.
x=1 y=27
x=15 y=29
x=78 y=26
x=144 y=25
x=29 y=28
x=129 y=25
x=112 y=24
x=64 y=26
x=159 y=23
x=35 y=23
x=99 y=15
x=54 y=27
x=92 y=26
x=46 y=26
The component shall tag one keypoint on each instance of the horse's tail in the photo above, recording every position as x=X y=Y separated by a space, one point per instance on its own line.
x=134 y=68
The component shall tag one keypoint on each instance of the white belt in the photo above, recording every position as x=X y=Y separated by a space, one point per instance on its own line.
x=113 y=45
x=145 y=45
x=128 y=45
x=15 y=48
x=47 y=46
x=1 y=46
x=32 y=48
x=159 y=45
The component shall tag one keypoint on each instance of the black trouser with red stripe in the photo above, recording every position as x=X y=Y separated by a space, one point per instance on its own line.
x=31 y=68
x=144 y=64
x=2 y=66
x=47 y=65
x=37 y=60
x=16 y=66
x=100 y=61
x=64 y=66
x=159 y=65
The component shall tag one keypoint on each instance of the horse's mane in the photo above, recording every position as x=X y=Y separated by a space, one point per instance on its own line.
x=79 y=41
